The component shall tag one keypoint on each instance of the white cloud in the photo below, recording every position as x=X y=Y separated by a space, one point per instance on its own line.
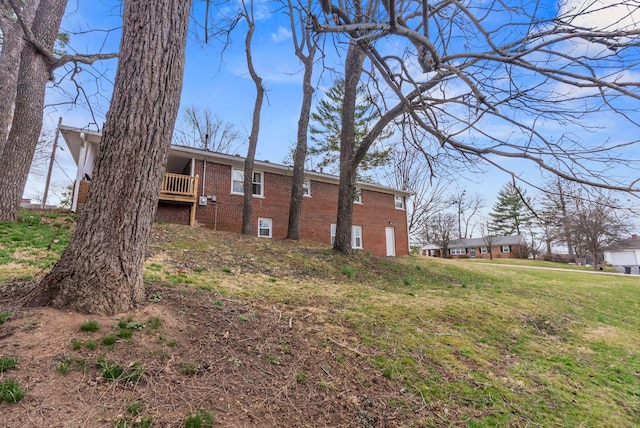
x=604 y=15
x=282 y=33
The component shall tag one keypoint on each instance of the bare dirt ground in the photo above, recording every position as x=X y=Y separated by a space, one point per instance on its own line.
x=247 y=363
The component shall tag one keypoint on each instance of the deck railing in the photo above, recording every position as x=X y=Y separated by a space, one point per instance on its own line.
x=179 y=184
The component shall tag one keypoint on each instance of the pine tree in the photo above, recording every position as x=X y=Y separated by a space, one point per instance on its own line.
x=326 y=126
x=510 y=213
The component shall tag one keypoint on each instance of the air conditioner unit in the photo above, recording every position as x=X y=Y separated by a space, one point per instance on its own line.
x=202 y=200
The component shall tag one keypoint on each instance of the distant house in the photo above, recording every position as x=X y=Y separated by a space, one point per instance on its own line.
x=625 y=256
x=206 y=188
x=501 y=247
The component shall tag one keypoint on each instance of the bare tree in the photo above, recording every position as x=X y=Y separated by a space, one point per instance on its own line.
x=305 y=49
x=203 y=129
x=596 y=224
x=101 y=269
x=484 y=79
x=439 y=229
x=37 y=64
x=467 y=207
x=488 y=236
x=408 y=170
x=247 y=209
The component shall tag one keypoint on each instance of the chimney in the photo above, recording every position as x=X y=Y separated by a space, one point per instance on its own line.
x=634 y=237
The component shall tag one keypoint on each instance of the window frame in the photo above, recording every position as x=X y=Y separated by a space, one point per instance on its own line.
x=508 y=247
x=484 y=250
x=354 y=236
x=261 y=227
x=237 y=172
x=306 y=186
x=457 y=251
x=357 y=196
x=397 y=198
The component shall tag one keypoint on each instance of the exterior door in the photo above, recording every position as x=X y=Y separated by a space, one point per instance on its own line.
x=390 y=235
x=472 y=253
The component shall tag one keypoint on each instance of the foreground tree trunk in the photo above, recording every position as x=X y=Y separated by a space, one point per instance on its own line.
x=12 y=44
x=247 y=209
x=353 y=69
x=101 y=269
x=300 y=153
x=34 y=73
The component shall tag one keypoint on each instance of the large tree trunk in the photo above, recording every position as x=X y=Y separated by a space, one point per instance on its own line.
x=33 y=76
x=101 y=269
x=247 y=209
x=12 y=44
x=353 y=69
x=300 y=153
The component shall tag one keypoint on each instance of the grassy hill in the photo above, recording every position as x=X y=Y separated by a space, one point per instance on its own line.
x=244 y=331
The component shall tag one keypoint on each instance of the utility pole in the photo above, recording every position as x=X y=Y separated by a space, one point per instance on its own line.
x=53 y=156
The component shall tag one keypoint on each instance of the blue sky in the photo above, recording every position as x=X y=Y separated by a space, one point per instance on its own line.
x=219 y=81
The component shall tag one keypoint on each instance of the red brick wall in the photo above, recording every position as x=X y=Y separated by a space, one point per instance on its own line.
x=318 y=211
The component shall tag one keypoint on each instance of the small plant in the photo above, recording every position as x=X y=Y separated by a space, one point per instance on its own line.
x=125 y=333
x=91 y=326
x=302 y=378
x=217 y=302
x=172 y=343
x=348 y=271
x=243 y=318
x=274 y=360
x=273 y=280
x=154 y=323
x=10 y=391
x=155 y=298
x=199 y=419
x=5 y=315
x=187 y=369
x=135 y=408
x=406 y=281
x=63 y=367
x=91 y=345
x=7 y=363
x=76 y=344
x=109 y=340
x=226 y=270
x=108 y=370
x=130 y=324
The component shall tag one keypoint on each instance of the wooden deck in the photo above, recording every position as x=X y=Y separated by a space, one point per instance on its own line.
x=181 y=188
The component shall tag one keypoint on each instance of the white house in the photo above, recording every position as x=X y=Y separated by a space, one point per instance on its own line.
x=626 y=256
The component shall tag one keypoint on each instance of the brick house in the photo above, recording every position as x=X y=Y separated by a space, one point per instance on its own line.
x=205 y=188
x=501 y=247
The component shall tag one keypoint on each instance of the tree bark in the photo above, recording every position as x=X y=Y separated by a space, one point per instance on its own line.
x=12 y=44
x=300 y=153
x=247 y=209
x=101 y=269
x=34 y=73
x=353 y=69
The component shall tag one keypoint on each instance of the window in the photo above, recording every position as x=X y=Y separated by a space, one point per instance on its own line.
x=484 y=250
x=356 y=236
x=237 y=182
x=306 y=188
x=357 y=195
x=399 y=202
x=505 y=248
x=264 y=227
x=456 y=251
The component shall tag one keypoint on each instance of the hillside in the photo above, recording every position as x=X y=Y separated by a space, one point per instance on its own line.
x=241 y=331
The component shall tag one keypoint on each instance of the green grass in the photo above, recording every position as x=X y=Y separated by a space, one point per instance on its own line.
x=7 y=363
x=199 y=419
x=45 y=235
x=494 y=345
x=10 y=391
x=90 y=326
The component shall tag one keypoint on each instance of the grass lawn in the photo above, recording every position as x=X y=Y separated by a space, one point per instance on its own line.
x=477 y=343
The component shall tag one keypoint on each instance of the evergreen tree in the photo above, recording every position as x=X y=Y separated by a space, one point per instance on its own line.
x=511 y=213
x=326 y=125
